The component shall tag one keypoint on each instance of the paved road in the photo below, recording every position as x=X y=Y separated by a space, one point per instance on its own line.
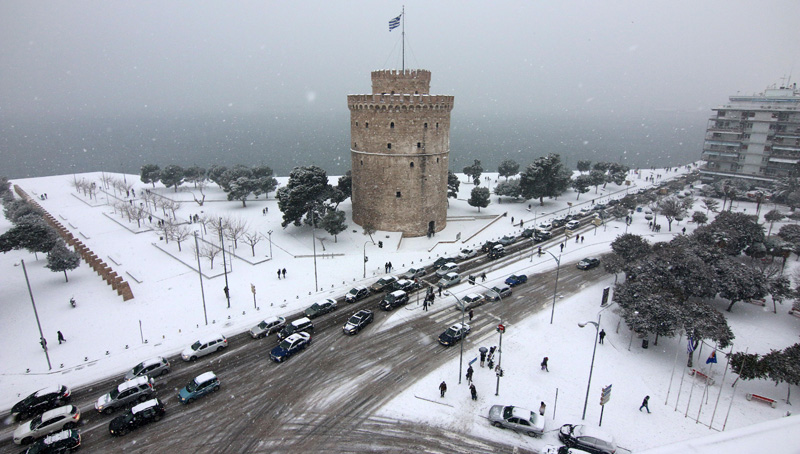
x=324 y=398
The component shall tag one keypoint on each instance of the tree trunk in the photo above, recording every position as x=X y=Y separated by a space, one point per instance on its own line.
x=243 y=203
x=65 y=275
x=730 y=306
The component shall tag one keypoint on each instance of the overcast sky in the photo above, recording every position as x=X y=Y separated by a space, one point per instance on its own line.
x=139 y=57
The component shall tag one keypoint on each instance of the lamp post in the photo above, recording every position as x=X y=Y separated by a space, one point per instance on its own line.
x=500 y=345
x=461 y=355
x=200 y=274
x=224 y=264
x=365 y=256
x=36 y=313
x=591 y=368
x=555 y=291
x=269 y=234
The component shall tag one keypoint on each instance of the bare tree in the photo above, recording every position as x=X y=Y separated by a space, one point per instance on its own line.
x=252 y=239
x=710 y=204
x=235 y=229
x=138 y=212
x=166 y=230
x=200 y=185
x=210 y=252
x=671 y=208
x=218 y=225
x=181 y=233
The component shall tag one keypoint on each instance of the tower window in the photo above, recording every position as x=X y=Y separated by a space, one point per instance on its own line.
x=419 y=144
x=397 y=194
x=388 y=146
x=356 y=123
x=362 y=162
x=391 y=125
x=412 y=165
x=366 y=124
x=425 y=126
x=437 y=125
x=437 y=159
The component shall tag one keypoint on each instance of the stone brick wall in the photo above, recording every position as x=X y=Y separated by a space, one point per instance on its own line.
x=400 y=146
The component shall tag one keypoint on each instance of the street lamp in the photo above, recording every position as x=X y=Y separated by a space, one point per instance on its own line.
x=461 y=355
x=591 y=368
x=36 y=314
x=200 y=275
x=224 y=264
x=555 y=291
x=269 y=234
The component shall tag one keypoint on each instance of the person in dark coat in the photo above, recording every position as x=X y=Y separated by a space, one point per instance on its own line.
x=602 y=336
x=473 y=391
x=284 y=273
x=483 y=358
x=544 y=364
x=470 y=371
x=443 y=388
x=279 y=273
x=61 y=338
x=645 y=404
x=542 y=407
x=425 y=305
x=471 y=314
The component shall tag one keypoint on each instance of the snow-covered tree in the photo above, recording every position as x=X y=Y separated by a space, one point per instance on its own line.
x=150 y=173
x=738 y=282
x=508 y=168
x=710 y=205
x=545 y=177
x=334 y=223
x=597 y=177
x=474 y=172
x=252 y=238
x=508 y=188
x=180 y=234
x=671 y=208
x=581 y=184
x=305 y=192
x=584 y=165
x=452 y=185
x=772 y=217
x=61 y=258
x=194 y=174
x=699 y=217
x=479 y=197
x=172 y=176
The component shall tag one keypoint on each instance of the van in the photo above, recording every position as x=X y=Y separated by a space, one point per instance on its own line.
x=301 y=325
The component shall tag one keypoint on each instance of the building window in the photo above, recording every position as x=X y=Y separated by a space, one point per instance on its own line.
x=362 y=162
x=366 y=124
x=397 y=194
x=425 y=126
x=355 y=145
x=437 y=125
x=437 y=159
x=419 y=144
x=356 y=123
x=388 y=146
x=391 y=125
x=412 y=165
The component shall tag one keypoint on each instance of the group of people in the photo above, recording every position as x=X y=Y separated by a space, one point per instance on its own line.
x=283 y=272
x=387 y=267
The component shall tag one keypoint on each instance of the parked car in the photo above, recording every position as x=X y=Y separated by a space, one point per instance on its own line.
x=467 y=253
x=558 y=222
x=138 y=389
x=57 y=443
x=588 y=263
x=507 y=240
x=455 y=333
x=204 y=347
x=450 y=267
x=528 y=233
x=441 y=261
x=144 y=413
x=487 y=246
x=518 y=419
x=321 y=308
x=289 y=346
x=41 y=401
x=551 y=449
x=383 y=284
x=405 y=285
x=413 y=273
x=497 y=251
x=502 y=290
x=356 y=294
x=542 y=235
x=471 y=301
x=203 y=384
x=546 y=226
x=358 y=321
x=516 y=279
x=267 y=327
x=449 y=280
x=394 y=299
x=150 y=368
x=54 y=420
x=301 y=325
x=572 y=225
x=590 y=439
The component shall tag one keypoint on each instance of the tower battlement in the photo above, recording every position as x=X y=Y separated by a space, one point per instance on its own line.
x=412 y=81
x=399 y=102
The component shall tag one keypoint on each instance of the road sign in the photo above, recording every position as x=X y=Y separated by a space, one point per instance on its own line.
x=253 y=289
x=605 y=296
x=501 y=328
x=605 y=395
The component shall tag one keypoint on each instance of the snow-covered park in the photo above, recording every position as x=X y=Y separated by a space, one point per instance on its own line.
x=106 y=335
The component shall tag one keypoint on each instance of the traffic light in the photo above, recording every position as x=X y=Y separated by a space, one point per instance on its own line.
x=471 y=279
x=380 y=244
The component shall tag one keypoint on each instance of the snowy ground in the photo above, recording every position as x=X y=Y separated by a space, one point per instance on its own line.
x=105 y=335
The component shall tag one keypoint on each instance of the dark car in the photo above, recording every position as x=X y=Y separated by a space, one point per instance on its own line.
x=57 y=443
x=454 y=334
x=295 y=343
x=41 y=401
x=497 y=251
x=300 y=325
x=383 y=284
x=528 y=233
x=356 y=294
x=542 y=235
x=406 y=285
x=487 y=246
x=144 y=413
x=516 y=279
x=558 y=222
x=395 y=299
x=441 y=261
x=358 y=321
x=321 y=308
x=203 y=384
x=589 y=439
x=588 y=263
x=507 y=240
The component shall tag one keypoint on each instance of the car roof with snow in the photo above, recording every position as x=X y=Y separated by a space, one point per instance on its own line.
x=451 y=275
x=404 y=282
x=145 y=405
x=583 y=430
x=297 y=336
x=49 y=390
x=300 y=321
x=458 y=326
x=398 y=293
x=151 y=361
x=204 y=377
x=522 y=413
x=65 y=410
x=58 y=436
x=473 y=297
x=132 y=383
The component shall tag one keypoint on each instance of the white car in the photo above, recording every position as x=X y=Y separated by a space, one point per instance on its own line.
x=572 y=225
x=450 y=267
x=65 y=417
x=470 y=301
x=204 y=346
x=267 y=327
x=552 y=449
x=449 y=280
x=516 y=418
x=546 y=226
x=467 y=254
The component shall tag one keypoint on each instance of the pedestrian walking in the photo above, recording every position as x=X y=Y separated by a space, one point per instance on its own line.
x=284 y=273
x=386 y=267
x=440 y=290
x=512 y=220
x=645 y=404
x=61 y=338
x=602 y=336
x=562 y=247
x=483 y=358
x=470 y=371
x=490 y=363
x=483 y=276
x=133 y=191
x=279 y=273
x=542 y=407
x=491 y=351
x=582 y=238
x=443 y=388
x=425 y=305
x=544 y=364
x=471 y=314
x=684 y=230
x=390 y=267
x=473 y=391
x=577 y=238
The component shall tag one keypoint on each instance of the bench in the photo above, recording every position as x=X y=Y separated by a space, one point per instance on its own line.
x=697 y=373
x=772 y=403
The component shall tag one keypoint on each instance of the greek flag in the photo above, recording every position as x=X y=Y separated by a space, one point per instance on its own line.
x=690 y=348
x=712 y=358
x=394 y=23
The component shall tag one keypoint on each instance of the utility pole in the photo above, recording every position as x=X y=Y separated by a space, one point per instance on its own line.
x=36 y=313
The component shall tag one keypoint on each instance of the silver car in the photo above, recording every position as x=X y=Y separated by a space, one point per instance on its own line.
x=150 y=368
x=267 y=327
x=516 y=418
x=139 y=389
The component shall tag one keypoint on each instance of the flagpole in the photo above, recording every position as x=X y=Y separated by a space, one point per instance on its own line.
x=404 y=36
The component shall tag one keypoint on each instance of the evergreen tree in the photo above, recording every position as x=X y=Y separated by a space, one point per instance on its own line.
x=334 y=222
x=215 y=174
x=61 y=258
x=545 y=177
x=584 y=165
x=479 y=197
x=172 y=176
x=345 y=185
x=150 y=173
x=452 y=185
x=581 y=184
x=305 y=191
x=509 y=188
x=508 y=168
x=474 y=172
x=194 y=174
